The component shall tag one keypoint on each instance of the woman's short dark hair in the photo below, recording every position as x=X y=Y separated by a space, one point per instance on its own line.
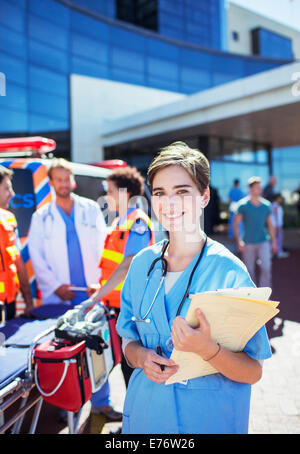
x=129 y=178
x=190 y=159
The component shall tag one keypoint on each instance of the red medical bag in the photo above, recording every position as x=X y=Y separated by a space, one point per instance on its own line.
x=62 y=375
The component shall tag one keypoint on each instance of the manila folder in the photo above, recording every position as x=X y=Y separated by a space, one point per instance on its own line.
x=233 y=321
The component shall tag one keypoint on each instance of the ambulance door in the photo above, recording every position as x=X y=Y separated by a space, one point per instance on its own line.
x=32 y=190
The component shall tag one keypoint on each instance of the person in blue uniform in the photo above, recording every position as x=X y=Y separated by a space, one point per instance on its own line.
x=151 y=319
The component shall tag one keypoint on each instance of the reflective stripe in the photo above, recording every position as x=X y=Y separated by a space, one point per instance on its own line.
x=114 y=256
x=13 y=251
x=2 y=287
x=118 y=287
x=10 y=220
x=128 y=223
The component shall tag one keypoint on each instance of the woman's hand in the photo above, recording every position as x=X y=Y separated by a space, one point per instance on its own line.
x=196 y=340
x=151 y=365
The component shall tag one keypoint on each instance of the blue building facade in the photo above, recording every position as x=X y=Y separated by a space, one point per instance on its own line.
x=174 y=45
x=43 y=42
x=267 y=43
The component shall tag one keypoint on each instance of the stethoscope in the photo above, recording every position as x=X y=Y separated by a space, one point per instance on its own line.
x=164 y=263
x=48 y=220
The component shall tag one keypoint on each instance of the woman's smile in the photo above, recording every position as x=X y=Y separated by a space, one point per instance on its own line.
x=173 y=216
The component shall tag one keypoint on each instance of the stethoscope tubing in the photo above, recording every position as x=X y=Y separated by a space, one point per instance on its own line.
x=164 y=272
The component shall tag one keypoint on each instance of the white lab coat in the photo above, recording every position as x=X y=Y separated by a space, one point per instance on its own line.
x=48 y=246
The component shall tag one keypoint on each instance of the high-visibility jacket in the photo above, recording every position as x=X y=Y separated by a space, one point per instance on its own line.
x=9 y=282
x=114 y=248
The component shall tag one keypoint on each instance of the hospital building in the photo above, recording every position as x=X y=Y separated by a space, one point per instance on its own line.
x=119 y=79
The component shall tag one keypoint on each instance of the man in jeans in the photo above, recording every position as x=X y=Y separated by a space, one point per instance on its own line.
x=255 y=212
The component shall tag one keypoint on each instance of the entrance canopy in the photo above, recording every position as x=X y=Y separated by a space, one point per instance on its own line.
x=263 y=108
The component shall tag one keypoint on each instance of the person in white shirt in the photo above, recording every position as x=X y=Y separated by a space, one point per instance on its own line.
x=66 y=240
x=277 y=217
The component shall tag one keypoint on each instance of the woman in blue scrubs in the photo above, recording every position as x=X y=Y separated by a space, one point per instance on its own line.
x=217 y=403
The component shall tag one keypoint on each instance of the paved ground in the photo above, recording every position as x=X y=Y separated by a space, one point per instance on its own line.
x=275 y=405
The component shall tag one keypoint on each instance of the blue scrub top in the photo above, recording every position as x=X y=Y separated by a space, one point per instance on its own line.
x=235 y=194
x=76 y=268
x=205 y=405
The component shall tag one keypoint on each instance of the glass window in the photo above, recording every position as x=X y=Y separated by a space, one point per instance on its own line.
x=48 y=104
x=235 y=36
x=89 y=48
x=12 y=120
x=49 y=81
x=51 y=11
x=15 y=69
x=164 y=84
x=161 y=68
x=47 y=56
x=262 y=156
x=270 y=44
x=89 y=26
x=47 y=32
x=16 y=16
x=88 y=68
x=103 y=7
x=286 y=165
x=16 y=97
x=15 y=43
x=196 y=77
x=234 y=150
x=129 y=40
x=215 y=148
x=124 y=58
x=223 y=174
x=157 y=48
x=128 y=76
x=38 y=122
x=143 y=13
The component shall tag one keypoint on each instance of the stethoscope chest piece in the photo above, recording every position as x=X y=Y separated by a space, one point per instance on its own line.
x=146 y=320
x=163 y=271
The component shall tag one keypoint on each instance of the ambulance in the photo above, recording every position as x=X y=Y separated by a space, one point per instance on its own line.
x=28 y=158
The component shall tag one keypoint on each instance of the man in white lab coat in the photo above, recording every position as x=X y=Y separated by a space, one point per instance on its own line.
x=66 y=240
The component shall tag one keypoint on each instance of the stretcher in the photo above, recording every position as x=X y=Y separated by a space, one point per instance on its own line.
x=18 y=338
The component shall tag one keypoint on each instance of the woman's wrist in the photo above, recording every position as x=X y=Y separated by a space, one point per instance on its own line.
x=141 y=356
x=135 y=353
x=96 y=297
x=213 y=355
x=210 y=351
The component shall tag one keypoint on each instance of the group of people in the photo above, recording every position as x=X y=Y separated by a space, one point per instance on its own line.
x=13 y=272
x=149 y=285
x=75 y=256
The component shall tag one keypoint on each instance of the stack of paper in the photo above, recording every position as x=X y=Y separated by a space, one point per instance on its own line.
x=234 y=315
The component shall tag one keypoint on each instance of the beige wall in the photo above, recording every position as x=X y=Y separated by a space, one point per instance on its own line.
x=243 y=21
x=94 y=101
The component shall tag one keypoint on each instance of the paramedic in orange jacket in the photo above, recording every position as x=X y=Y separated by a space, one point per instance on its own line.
x=130 y=232
x=13 y=273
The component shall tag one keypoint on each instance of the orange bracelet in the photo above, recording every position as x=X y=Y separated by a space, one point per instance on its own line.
x=219 y=348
